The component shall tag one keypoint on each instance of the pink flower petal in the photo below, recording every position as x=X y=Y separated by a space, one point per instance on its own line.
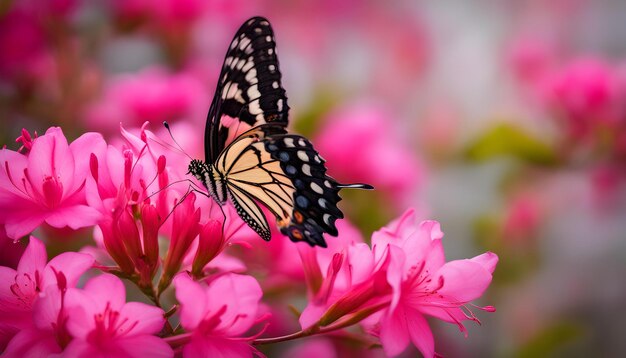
x=51 y=156
x=218 y=348
x=192 y=299
x=75 y=216
x=421 y=335
x=311 y=314
x=394 y=335
x=81 y=149
x=23 y=221
x=32 y=342
x=488 y=260
x=106 y=289
x=46 y=308
x=241 y=295
x=464 y=280
x=17 y=163
x=149 y=319
x=34 y=258
x=144 y=346
x=71 y=264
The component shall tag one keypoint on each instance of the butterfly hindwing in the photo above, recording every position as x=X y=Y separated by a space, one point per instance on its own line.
x=315 y=195
x=249 y=89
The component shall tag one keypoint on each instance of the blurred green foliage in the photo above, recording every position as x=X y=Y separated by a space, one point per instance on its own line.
x=551 y=341
x=505 y=139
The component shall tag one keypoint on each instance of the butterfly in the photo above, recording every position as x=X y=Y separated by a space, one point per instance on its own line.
x=250 y=157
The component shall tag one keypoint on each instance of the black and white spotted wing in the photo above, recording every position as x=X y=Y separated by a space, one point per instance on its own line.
x=250 y=157
x=286 y=175
x=249 y=89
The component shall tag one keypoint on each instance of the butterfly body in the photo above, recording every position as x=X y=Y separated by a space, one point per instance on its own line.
x=250 y=156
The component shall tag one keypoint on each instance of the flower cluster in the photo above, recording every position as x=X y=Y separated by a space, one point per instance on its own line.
x=137 y=203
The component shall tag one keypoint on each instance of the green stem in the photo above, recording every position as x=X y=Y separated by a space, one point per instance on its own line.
x=316 y=329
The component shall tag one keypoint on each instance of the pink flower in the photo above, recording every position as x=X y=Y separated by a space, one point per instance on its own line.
x=531 y=58
x=424 y=284
x=185 y=228
x=153 y=95
x=25 y=53
x=48 y=334
x=103 y=324
x=20 y=289
x=169 y=12
x=218 y=315
x=585 y=93
x=523 y=217
x=47 y=185
x=377 y=155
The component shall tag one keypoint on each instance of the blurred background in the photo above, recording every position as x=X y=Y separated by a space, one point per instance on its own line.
x=503 y=120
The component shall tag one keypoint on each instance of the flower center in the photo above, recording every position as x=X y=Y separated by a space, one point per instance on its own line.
x=109 y=325
x=25 y=289
x=52 y=191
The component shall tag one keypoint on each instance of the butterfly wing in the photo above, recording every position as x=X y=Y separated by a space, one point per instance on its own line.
x=249 y=91
x=284 y=173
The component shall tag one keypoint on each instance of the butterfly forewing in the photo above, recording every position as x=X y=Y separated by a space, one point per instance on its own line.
x=249 y=89
x=251 y=159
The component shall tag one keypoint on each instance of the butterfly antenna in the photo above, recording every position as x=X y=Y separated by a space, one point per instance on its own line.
x=167 y=126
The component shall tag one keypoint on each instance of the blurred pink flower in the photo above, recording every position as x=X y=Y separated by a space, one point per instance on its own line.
x=47 y=185
x=218 y=315
x=531 y=58
x=523 y=217
x=153 y=95
x=164 y=13
x=424 y=284
x=25 y=53
x=586 y=93
x=20 y=289
x=376 y=155
x=103 y=324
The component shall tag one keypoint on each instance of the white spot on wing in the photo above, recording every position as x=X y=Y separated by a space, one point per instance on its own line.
x=322 y=203
x=275 y=85
x=289 y=142
x=303 y=156
x=244 y=43
x=279 y=105
x=233 y=92
x=327 y=184
x=251 y=76
x=272 y=68
x=316 y=188
x=327 y=219
x=254 y=107
x=270 y=51
x=249 y=64
x=268 y=38
x=301 y=142
x=306 y=169
x=253 y=92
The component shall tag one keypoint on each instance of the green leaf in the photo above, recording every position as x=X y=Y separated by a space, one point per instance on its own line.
x=552 y=340
x=508 y=140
